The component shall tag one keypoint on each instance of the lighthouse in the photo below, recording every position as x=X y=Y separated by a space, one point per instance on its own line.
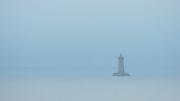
x=121 y=67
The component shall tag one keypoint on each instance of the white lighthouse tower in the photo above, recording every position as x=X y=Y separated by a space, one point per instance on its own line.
x=121 y=67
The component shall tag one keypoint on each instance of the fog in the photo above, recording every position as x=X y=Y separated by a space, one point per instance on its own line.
x=35 y=33
x=67 y=50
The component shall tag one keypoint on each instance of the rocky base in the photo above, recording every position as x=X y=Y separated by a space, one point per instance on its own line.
x=120 y=74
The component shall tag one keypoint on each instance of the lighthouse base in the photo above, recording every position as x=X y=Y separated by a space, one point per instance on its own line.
x=120 y=74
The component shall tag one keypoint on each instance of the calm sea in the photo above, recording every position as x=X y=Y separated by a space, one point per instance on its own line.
x=96 y=84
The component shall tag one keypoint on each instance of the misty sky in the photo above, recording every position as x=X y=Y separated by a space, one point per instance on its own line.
x=89 y=33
